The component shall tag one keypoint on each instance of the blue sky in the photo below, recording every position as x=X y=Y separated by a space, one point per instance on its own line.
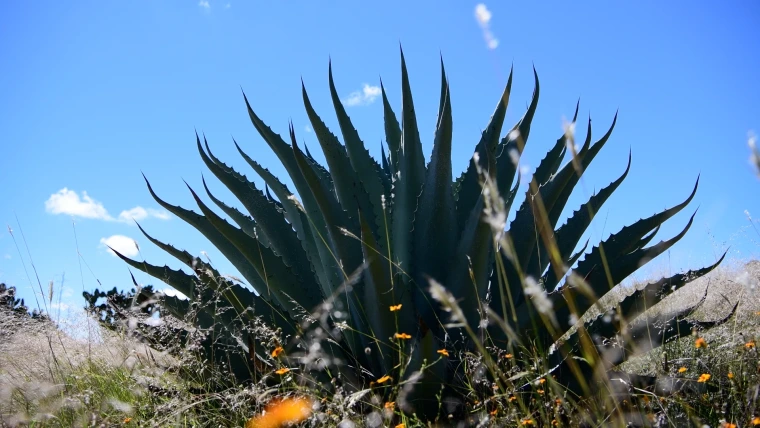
x=95 y=92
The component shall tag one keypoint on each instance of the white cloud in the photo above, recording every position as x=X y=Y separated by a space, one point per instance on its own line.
x=483 y=16
x=366 y=96
x=204 y=4
x=60 y=306
x=307 y=128
x=174 y=293
x=68 y=202
x=123 y=244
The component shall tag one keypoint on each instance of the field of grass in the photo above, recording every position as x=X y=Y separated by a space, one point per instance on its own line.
x=107 y=378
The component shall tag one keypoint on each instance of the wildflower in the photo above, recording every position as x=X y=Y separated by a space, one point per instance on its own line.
x=494 y=412
x=727 y=425
x=384 y=379
x=508 y=356
x=282 y=371
x=558 y=402
x=277 y=351
x=279 y=413
x=542 y=381
x=540 y=391
x=401 y=425
x=403 y=336
x=127 y=420
x=704 y=377
x=682 y=370
x=555 y=423
x=700 y=343
x=730 y=375
x=443 y=352
x=390 y=405
x=528 y=422
x=749 y=345
x=756 y=421
x=395 y=308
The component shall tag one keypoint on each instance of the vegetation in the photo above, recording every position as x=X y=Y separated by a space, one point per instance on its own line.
x=354 y=267
x=392 y=294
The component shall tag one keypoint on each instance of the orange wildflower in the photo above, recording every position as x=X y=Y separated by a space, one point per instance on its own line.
x=403 y=336
x=281 y=412
x=540 y=391
x=528 y=422
x=700 y=343
x=756 y=421
x=401 y=425
x=384 y=379
x=127 y=420
x=542 y=381
x=727 y=425
x=390 y=405
x=682 y=370
x=494 y=412
x=508 y=356
x=512 y=398
x=749 y=345
x=282 y=371
x=704 y=377
x=443 y=352
x=730 y=375
x=277 y=351
x=555 y=423
x=395 y=308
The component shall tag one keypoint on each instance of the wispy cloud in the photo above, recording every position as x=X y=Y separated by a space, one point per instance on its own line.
x=204 y=4
x=69 y=202
x=483 y=16
x=366 y=96
x=123 y=244
x=307 y=128
x=227 y=6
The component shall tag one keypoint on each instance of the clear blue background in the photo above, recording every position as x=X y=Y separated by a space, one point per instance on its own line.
x=92 y=93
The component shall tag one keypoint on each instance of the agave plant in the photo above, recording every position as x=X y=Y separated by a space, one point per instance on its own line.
x=365 y=240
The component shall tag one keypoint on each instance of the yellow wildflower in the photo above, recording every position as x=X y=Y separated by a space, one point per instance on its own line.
x=682 y=370
x=277 y=351
x=756 y=421
x=443 y=352
x=390 y=405
x=384 y=379
x=528 y=422
x=749 y=345
x=730 y=375
x=704 y=377
x=403 y=336
x=282 y=371
x=395 y=308
x=700 y=343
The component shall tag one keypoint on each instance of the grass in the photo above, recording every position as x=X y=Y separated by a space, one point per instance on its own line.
x=50 y=379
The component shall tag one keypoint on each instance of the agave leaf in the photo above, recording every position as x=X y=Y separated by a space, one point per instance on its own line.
x=345 y=251
x=409 y=180
x=351 y=194
x=229 y=251
x=392 y=133
x=623 y=241
x=282 y=283
x=366 y=168
x=246 y=222
x=292 y=213
x=523 y=229
x=434 y=223
x=619 y=266
x=568 y=235
x=570 y=177
x=379 y=290
x=468 y=189
x=278 y=232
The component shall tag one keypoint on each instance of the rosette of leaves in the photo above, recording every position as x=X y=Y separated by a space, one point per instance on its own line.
x=366 y=236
